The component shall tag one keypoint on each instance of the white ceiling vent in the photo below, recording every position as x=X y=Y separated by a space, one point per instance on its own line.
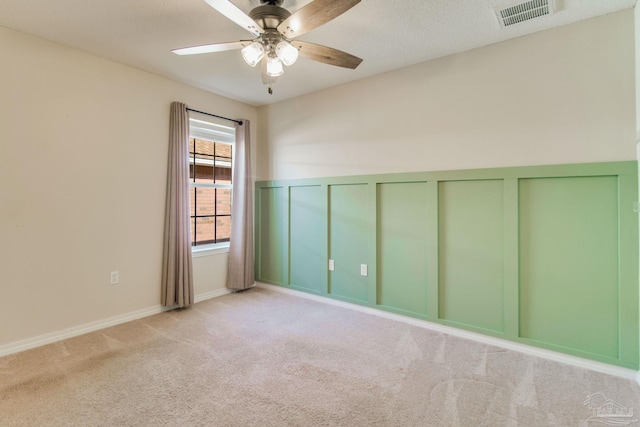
x=524 y=11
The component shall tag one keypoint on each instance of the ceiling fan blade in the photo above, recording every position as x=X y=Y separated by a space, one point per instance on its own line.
x=210 y=48
x=313 y=15
x=326 y=54
x=235 y=14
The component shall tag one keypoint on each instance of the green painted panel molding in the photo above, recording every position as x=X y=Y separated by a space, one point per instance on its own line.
x=546 y=256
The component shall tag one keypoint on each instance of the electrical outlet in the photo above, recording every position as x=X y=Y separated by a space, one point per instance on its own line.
x=363 y=270
x=331 y=265
x=115 y=277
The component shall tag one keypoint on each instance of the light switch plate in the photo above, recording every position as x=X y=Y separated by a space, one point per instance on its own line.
x=363 y=270
x=331 y=265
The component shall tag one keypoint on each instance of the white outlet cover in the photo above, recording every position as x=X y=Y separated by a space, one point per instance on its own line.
x=115 y=277
x=363 y=270
x=331 y=265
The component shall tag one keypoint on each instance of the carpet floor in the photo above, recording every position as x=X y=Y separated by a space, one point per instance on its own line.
x=264 y=358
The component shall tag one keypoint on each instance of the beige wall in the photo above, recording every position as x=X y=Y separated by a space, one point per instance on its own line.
x=83 y=145
x=561 y=96
x=83 y=155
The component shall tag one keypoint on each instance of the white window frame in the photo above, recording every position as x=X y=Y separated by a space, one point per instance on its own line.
x=211 y=129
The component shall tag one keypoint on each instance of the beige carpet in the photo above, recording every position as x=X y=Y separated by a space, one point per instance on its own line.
x=263 y=358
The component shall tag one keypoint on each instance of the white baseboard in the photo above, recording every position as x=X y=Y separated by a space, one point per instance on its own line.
x=498 y=342
x=29 y=343
x=212 y=294
x=52 y=337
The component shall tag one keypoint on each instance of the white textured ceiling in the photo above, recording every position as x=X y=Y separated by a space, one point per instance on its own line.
x=387 y=34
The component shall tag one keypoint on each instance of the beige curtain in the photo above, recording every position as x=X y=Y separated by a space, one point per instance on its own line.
x=177 y=272
x=241 y=274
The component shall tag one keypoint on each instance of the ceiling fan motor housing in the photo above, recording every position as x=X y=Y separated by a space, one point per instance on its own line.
x=272 y=2
x=269 y=16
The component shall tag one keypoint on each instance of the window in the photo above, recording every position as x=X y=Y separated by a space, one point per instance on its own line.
x=210 y=181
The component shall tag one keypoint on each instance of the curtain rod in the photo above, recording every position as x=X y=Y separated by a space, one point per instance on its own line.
x=214 y=115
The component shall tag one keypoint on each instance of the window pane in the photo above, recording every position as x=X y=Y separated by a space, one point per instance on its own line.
x=204 y=148
x=204 y=230
x=223 y=175
x=223 y=152
x=223 y=228
x=204 y=173
x=223 y=163
x=202 y=154
x=192 y=205
x=193 y=228
x=223 y=201
x=205 y=201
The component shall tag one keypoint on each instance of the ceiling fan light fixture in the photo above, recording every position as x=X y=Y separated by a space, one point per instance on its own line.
x=274 y=27
x=274 y=66
x=253 y=53
x=286 y=52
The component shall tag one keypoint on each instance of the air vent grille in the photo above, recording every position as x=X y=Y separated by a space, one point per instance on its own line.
x=524 y=12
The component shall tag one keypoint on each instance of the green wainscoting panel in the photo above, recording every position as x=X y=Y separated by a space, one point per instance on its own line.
x=307 y=235
x=510 y=251
x=628 y=278
x=569 y=262
x=271 y=235
x=542 y=255
x=402 y=246
x=348 y=231
x=471 y=253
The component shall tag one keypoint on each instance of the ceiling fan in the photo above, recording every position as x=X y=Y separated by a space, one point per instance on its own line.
x=274 y=29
